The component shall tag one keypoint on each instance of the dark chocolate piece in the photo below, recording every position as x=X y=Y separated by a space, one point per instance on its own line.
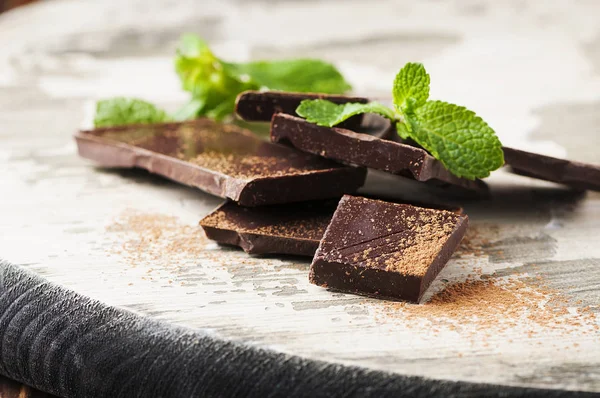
x=222 y=159
x=260 y=106
x=295 y=228
x=385 y=250
x=349 y=147
x=574 y=174
x=283 y=229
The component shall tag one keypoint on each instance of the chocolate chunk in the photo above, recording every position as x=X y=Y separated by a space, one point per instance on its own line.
x=295 y=228
x=385 y=250
x=574 y=174
x=260 y=106
x=349 y=147
x=224 y=160
x=283 y=229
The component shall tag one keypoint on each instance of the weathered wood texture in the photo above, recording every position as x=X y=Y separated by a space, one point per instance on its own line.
x=530 y=69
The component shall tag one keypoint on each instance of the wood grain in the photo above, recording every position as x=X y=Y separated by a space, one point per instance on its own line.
x=131 y=240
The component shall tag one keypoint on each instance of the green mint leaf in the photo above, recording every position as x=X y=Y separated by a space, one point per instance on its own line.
x=191 y=110
x=121 y=111
x=215 y=83
x=327 y=113
x=402 y=131
x=222 y=110
x=300 y=75
x=411 y=87
x=456 y=136
x=205 y=76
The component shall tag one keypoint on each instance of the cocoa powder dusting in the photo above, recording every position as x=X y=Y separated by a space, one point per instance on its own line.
x=308 y=228
x=492 y=307
x=153 y=238
x=416 y=237
x=248 y=166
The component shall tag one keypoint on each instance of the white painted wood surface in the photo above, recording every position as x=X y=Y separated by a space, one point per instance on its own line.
x=532 y=70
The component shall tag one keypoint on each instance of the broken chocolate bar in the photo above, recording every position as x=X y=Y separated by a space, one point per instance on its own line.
x=260 y=106
x=224 y=160
x=294 y=228
x=385 y=250
x=574 y=174
x=349 y=147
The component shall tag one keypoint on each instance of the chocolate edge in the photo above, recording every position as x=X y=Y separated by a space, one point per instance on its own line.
x=247 y=102
x=349 y=179
x=260 y=244
x=561 y=171
x=330 y=181
x=424 y=280
x=134 y=157
x=432 y=170
x=348 y=274
x=447 y=251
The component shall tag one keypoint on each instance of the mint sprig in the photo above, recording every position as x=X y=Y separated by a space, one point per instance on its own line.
x=454 y=135
x=214 y=85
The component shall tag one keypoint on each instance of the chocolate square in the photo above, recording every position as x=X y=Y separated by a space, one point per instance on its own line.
x=385 y=250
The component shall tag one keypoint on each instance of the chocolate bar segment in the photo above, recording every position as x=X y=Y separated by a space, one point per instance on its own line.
x=574 y=174
x=349 y=147
x=222 y=159
x=294 y=228
x=260 y=106
x=385 y=250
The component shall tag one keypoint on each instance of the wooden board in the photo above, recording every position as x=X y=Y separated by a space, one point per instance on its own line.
x=131 y=240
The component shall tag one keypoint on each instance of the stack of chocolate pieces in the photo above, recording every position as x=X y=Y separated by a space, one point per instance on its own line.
x=284 y=196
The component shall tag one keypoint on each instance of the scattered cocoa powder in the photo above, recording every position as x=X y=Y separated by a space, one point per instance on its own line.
x=476 y=240
x=148 y=239
x=494 y=306
x=481 y=307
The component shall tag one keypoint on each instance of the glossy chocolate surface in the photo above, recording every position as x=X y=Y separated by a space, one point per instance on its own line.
x=350 y=147
x=294 y=228
x=283 y=229
x=222 y=159
x=260 y=106
x=384 y=249
x=574 y=174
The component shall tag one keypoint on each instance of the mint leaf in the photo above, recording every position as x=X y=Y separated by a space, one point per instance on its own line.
x=411 y=87
x=216 y=83
x=121 y=111
x=189 y=110
x=208 y=79
x=402 y=131
x=300 y=75
x=454 y=135
x=460 y=139
x=327 y=113
x=222 y=110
